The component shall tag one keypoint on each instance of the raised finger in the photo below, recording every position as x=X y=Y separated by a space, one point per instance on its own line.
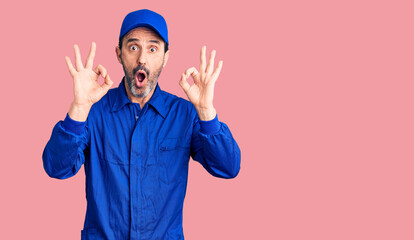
x=100 y=70
x=89 y=60
x=210 y=65
x=78 y=60
x=203 y=59
x=72 y=70
x=216 y=72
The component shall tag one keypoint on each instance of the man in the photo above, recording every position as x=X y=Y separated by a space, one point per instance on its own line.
x=135 y=141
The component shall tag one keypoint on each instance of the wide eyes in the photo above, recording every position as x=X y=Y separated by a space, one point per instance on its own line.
x=135 y=48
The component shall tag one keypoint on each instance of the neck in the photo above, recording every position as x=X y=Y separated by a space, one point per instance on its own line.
x=140 y=101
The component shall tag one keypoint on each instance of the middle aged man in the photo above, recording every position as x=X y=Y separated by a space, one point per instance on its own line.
x=135 y=141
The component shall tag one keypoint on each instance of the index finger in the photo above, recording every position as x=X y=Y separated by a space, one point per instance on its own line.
x=89 y=60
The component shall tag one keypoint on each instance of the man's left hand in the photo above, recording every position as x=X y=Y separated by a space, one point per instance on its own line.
x=201 y=93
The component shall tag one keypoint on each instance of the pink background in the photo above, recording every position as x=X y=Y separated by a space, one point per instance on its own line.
x=318 y=94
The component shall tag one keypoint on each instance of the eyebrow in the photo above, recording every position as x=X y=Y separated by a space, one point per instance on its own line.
x=137 y=40
x=155 y=41
x=133 y=40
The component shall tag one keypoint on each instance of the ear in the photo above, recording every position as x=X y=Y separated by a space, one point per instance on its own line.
x=118 y=54
x=166 y=55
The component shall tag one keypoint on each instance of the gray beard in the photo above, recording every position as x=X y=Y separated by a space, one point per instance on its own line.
x=152 y=80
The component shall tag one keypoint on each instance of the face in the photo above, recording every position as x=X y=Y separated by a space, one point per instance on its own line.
x=142 y=57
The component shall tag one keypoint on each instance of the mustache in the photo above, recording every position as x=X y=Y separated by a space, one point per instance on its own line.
x=141 y=67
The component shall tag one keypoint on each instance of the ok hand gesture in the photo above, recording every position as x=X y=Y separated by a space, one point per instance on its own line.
x=86 y=88
x=201 y=93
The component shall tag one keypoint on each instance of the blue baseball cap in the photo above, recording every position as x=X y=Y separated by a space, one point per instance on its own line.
x=145 y=18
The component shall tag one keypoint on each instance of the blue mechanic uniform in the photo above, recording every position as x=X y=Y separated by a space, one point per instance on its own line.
x=136 y=162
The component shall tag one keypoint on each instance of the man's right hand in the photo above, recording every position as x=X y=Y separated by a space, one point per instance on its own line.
x=86 y=89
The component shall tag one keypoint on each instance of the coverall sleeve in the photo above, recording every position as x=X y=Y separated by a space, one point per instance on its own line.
x=64 y=155
x=214 y=147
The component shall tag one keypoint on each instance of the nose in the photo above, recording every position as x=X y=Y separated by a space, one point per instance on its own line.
x=142 y=58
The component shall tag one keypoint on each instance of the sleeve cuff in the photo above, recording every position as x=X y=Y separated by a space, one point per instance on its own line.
x=210 y=127
x=73 y=126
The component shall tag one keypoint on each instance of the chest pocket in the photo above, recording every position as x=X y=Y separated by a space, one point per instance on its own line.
x=172 y=151
x=115 y=150
x=172 y=144
x=115 y=156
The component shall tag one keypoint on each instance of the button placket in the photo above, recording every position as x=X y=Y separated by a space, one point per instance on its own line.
x=135 y=177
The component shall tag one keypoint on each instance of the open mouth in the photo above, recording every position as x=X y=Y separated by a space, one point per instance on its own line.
x=140 y=78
